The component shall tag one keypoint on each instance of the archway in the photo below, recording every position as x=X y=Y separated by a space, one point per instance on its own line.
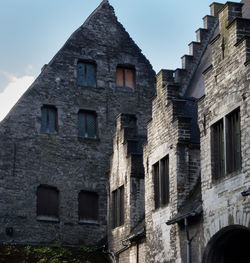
x=229 y=245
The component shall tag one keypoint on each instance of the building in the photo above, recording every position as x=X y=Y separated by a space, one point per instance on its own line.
x=176 y=187
x=196 y=157
x=56 y=142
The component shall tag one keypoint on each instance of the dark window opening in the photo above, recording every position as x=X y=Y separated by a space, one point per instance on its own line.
x=88 y=206
x=86 y=74
x=161 y=182
x=226 y=145
x=118 y=207
x=233 y=141
x=125 y=77
x=49 y=119
x=47 y=203
x=87 y=124
x=218 y=149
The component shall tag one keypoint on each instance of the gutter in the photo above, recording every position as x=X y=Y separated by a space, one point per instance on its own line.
x=197 y=211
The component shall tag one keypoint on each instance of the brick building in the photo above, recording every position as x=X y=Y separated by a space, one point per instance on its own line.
x=56 y=142
x=176 y=186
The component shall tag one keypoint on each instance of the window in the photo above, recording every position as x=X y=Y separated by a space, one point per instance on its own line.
x=125 y=77
x=49 y=119
x=118 y=207
x=218 y=149
x=86 y=74
x=225 y=144
x=161 y=182
x=87 y=126
x=88 y=206
x=47 y=203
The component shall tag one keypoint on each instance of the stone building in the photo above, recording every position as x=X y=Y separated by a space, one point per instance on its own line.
x=126 y=228
x=177 y=185
x=196 y=158
x=56 y=142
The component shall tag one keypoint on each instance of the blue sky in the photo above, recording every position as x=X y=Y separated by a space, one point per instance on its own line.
x=32 y=31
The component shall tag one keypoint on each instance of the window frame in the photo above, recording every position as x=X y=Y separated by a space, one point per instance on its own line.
x=45 y=127
x=44 y=217
x=118 y=207
x=85 y=113
x=161 y=172
x=124 y=68
x=86 y=63
x=230 y=164
x=88 y=219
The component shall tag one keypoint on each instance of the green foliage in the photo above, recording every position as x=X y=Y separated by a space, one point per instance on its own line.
x=55 y=253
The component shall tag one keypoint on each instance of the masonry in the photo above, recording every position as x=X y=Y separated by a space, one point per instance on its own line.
x=44 y=143
x=100 y=152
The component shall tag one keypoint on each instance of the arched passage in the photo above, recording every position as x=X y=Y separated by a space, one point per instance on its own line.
x=229 y=245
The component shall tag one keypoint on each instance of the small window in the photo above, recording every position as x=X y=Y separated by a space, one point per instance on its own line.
x=88 y=206
x=161 y=182
x=87 y=125
x=125 y=77
x=47 y=203
x=49 y=119
x=118 y=207
x=86 y=74
x=226 y=145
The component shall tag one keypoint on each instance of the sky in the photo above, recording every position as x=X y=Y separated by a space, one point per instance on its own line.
x=32 y=31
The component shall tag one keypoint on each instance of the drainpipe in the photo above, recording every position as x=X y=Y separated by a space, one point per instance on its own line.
x=188 y=248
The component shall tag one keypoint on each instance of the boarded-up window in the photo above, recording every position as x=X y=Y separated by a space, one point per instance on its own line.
x=49 y=119
x=88 y=206
x=87 y=125
x=233 y=141
x=161 y=182
x=47 y=203
x=125 y=77
x=218 y=149
x=118 y=207
x=226 y=145
x=86 y=74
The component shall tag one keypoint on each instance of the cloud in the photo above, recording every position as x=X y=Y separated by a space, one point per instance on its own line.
x=13 y=91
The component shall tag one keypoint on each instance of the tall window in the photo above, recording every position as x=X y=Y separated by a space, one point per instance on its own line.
x=86 y=74
x=49 y=119
x=225 y=144
x=161 y=182
x=87 y=124
x=47 y=203
x=218 y=149
x=125 y=77
x=88 y=206
x=118 y=207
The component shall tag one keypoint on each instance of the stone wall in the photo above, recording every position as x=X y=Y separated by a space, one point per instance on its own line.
x=126 y=169
x=227 y=88
x=169 y=134
x=29 y=158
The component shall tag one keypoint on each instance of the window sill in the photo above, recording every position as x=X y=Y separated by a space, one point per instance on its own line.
x=226 y=176
x=48 y=219
x=125 y=89
x=118 y=227
x=160 y=208
x=88 y=222
x=88 y=139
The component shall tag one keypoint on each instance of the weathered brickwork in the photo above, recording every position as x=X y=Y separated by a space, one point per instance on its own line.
x=127 y=171
x=29 y=158
x=169 y=134
x=227 y=88
x=163 y=197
